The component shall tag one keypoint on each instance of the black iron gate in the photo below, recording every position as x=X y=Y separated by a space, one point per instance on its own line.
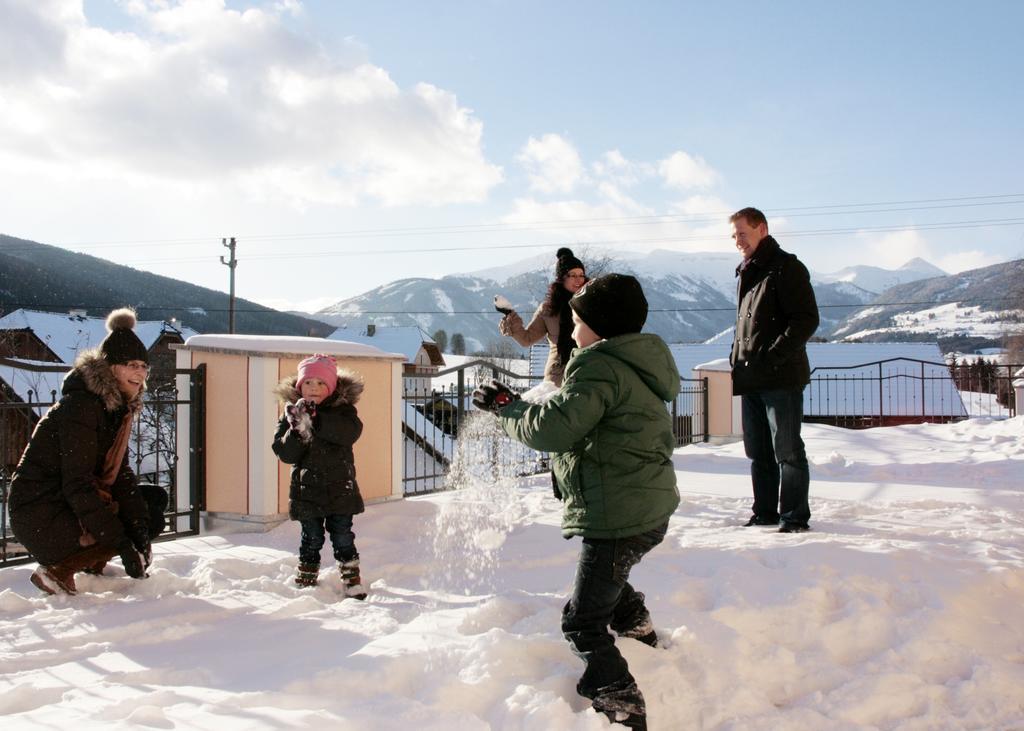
x=166 y=449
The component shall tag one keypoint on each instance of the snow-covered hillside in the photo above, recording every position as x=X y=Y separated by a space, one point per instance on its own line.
x=900 y=610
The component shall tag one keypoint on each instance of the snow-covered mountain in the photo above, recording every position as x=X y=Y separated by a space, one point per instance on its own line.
x=691 y=295
x=983 y=304
x=876 y=280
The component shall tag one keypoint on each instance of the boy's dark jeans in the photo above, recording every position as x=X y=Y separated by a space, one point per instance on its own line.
x=343 y=540
x=602 y=596
x=771 y=438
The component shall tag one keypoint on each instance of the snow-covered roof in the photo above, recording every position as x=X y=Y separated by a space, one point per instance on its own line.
x=407 y=340
x=66 y=334
x=33 y=386
x=284 y=345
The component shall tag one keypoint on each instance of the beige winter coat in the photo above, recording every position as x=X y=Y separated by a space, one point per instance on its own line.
x=541 y=325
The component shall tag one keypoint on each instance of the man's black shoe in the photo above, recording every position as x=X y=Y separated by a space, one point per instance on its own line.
x=794 y=528
x=759 y=520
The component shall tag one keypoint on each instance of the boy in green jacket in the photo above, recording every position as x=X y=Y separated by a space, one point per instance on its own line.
x=611 y=436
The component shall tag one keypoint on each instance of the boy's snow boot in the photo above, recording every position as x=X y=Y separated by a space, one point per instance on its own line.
x=350 y=578
x=307 y=574
x=622 y=703
x=633 y=620
x=643 y=632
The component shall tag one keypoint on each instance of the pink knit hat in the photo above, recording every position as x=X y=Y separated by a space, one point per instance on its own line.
x=319 y=366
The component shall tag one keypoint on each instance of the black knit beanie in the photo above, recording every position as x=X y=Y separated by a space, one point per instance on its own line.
x=122 y=344
x=567 y=261
x=611 y=305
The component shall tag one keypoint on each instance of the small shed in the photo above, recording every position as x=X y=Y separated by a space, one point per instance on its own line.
x=246 y=485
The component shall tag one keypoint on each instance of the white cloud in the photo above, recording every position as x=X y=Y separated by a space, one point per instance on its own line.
x=681 y=170
x=552 y=164
x=209 y=95
x=965 y=260
x=893 y=250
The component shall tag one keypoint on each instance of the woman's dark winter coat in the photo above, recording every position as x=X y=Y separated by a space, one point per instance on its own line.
x=323 y=469
x=776 y=315
x=53 y=496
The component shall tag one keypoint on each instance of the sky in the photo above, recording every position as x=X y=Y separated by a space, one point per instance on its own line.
x=899 y=610
x=349 y=144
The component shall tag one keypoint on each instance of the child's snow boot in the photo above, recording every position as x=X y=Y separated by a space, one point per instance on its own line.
x=643 y=632
x=307 y=574
x=350 y=578
x=623 y=704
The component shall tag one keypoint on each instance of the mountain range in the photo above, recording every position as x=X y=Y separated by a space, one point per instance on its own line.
x=691 y=296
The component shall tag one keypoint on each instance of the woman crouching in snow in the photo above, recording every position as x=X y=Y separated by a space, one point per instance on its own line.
x=74 y=500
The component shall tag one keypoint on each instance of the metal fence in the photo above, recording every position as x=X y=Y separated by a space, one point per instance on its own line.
x=28 y=390
x=907 y=390
x=432 y=420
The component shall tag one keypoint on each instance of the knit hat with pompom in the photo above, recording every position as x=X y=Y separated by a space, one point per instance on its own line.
x=122 y=345
x=566 y=262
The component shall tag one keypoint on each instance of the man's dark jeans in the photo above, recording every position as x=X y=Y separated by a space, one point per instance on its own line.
x=602 y=596
x=343 y=540
x=771 y=437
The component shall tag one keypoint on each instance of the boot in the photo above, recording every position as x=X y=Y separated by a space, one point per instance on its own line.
x=350 y=579
x=622 y=703
x=60 y=577
x=56 y=579
x=643 y=632
x=307 y=574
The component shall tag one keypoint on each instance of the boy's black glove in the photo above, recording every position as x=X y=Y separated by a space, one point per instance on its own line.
x=134 y=562
x=493 y=396
x=502 y=305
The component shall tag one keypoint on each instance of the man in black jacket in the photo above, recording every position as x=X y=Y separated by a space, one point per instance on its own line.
x=776 y=314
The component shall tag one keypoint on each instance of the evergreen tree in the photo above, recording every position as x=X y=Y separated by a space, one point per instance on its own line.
x=458 y=344
x=441 y=338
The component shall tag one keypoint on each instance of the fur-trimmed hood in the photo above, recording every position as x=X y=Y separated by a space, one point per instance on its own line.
x=92 y=373
x=348 y=390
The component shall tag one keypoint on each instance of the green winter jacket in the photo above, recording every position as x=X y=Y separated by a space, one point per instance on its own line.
x=610 y=433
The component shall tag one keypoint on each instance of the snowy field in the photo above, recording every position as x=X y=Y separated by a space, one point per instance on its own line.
x=902 y=609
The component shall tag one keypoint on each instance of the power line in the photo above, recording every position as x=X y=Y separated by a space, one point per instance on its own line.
x=935 y=226
x=708 y=217
x=265 y=310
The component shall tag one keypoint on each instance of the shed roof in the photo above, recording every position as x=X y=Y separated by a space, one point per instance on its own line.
x=284 y=345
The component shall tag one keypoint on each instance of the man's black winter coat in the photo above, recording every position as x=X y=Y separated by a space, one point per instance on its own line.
x=776 y=315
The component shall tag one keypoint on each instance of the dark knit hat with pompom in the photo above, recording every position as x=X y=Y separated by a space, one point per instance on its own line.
x=612 y=305
x=567 y=261
x=122 y=345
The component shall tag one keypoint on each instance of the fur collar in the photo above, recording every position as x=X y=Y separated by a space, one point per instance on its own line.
x=348 y=390
x=92 y=373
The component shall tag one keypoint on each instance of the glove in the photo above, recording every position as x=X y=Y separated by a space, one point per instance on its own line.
x=493 y=396
x=309 y=406
x=502 y=305
x=300 y=420
x=138 y=532
x=134 y=562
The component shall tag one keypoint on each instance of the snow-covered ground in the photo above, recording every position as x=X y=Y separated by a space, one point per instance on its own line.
x=900 y=610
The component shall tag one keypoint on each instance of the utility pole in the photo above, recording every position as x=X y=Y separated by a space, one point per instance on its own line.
x=231 y=263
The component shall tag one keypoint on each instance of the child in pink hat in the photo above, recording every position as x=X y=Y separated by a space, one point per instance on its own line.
x=315 y=435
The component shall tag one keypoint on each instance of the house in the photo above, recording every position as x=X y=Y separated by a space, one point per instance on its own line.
x=422 y=356
x=56 y=337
